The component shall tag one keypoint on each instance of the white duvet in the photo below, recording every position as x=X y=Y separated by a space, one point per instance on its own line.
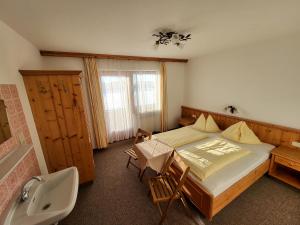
x=230 y=174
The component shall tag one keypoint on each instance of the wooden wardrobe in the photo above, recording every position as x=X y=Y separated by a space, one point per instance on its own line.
x=57 y=105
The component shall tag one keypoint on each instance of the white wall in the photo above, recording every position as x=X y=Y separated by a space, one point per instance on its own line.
x=176 y=73
x=261 y=79
x=17 y=53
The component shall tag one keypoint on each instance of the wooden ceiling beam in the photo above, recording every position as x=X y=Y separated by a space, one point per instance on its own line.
x=49 y=72
x=107 y=56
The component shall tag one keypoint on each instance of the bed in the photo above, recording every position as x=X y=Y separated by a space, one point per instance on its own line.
x=218 y=190
x=222 y=179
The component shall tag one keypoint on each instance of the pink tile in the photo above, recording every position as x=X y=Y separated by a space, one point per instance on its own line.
x=3 y=191
x=23 y=175
x=29 y=140
x=37 y=170
x=3 y=150
x=20 y=170
x=13 y=122
x=6 y=150
x=22 y=120
x=11 y=143
x=25 y=131
x=15 y=132
x=5 y=92
x=28 y=166
x=12 y=183
x=13 y=91
x=29 y=160
x=4 y=194
x=18 y=105
x=10 y=107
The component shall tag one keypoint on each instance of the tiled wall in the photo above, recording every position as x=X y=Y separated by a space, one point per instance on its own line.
x=28 y=167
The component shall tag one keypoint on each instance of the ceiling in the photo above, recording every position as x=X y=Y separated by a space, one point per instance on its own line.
x=126 y=26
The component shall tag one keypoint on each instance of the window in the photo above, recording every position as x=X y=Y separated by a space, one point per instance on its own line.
x=146 y=88
x=114 y=90
x=131 y=100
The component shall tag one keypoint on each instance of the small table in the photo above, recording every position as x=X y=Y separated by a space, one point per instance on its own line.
x=153 y=154
x=186 y=121
x=285 y=165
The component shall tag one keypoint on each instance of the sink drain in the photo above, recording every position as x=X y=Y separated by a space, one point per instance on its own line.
x=46 y=206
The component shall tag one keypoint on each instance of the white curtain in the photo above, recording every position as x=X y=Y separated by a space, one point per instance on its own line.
x=131 y=97
x=146 y=89
x=117 y=106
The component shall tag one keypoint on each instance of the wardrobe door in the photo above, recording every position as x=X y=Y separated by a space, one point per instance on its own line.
x=75 y=131
x=46 y=120
x=57 y=105
x=83 y=133
x=61 y=120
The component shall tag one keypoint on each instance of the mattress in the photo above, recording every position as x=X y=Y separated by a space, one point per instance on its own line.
x=233 y=172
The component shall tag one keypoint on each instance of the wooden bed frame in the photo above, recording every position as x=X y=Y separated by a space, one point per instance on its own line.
x=269 y=133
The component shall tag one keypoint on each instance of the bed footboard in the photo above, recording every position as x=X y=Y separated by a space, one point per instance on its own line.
x=209 y=205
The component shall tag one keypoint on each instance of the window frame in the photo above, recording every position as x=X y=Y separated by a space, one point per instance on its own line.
x=133 y=89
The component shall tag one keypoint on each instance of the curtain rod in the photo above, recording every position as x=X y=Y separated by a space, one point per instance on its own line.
x=107 y=56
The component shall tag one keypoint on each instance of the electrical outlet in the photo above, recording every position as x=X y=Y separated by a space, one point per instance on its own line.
x=296 y=144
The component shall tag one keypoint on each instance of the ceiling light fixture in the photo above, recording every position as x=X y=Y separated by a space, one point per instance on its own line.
x=165 y=38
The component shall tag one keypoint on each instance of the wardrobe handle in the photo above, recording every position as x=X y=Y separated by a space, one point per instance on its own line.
x=55 y=139
x=74 y=135
x=74 y=102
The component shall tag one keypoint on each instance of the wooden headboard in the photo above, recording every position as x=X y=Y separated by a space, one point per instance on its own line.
x=269 y=133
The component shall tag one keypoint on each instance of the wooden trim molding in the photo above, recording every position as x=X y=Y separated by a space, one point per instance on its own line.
x=267 y=132
x=49 y=72
x=107 y=56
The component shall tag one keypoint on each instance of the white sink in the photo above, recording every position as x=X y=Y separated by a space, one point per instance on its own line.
x=50 y=200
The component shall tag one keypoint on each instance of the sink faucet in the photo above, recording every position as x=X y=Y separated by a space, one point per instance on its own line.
x=25 y=189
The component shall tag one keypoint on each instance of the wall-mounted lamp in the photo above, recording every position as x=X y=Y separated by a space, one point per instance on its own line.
x=232 y=109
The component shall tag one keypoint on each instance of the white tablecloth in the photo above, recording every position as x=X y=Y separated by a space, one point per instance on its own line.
x=152 y=154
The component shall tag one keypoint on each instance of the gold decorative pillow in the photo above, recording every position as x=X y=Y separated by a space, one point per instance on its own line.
x=233 y=132
x=206 y=125
x=200 y=123
x=240 y=132
x=211 y=125
x=248 y=136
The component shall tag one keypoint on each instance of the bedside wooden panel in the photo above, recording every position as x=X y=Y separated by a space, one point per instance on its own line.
x=186 y=121
x=266 y=132
x=285 y=165
x=288 y=163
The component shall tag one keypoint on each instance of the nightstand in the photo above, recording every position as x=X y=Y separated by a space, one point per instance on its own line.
x=186 y=121
x=285 y=165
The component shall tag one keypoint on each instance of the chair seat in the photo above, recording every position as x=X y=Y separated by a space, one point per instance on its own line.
x=131 y=153
x=162 y=188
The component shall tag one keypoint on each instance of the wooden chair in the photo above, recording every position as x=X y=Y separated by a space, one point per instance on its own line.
x=165 y=188
x=140 y=136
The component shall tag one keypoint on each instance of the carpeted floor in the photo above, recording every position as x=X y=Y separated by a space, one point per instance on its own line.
x=117 y=197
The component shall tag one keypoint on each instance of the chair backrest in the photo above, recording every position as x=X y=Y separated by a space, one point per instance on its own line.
x=174 y=157
x=168 y=163
x=141 y=135
x=185 y=170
